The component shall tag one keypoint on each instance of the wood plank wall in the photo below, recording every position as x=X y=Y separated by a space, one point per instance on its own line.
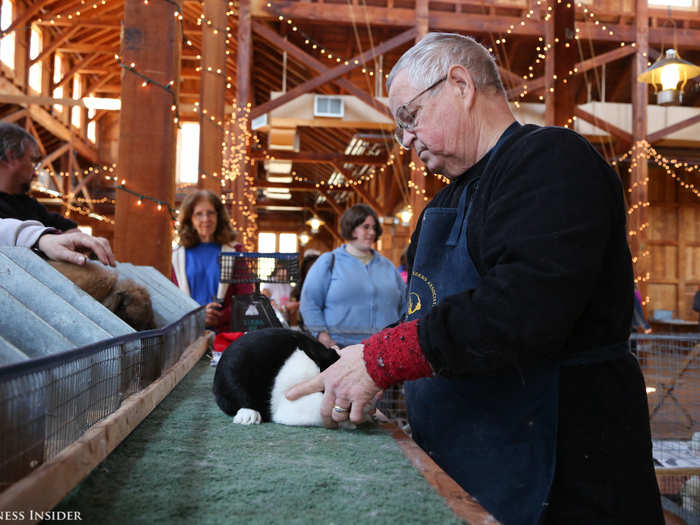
x=674 y=245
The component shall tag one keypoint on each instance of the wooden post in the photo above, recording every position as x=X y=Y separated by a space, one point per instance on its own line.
x=549 y=82
x=638 y=220
x=243 y=211
x=418 y=182
x=212 y=91
x=564 y=52
x=151 y=40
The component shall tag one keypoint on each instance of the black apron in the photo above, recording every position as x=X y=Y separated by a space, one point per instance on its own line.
x=494 y=434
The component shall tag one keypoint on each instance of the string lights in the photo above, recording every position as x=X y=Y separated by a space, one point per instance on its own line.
x=147 y=81
x=158 y=204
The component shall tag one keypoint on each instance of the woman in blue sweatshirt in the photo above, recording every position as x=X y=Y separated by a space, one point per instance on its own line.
x=353 y=291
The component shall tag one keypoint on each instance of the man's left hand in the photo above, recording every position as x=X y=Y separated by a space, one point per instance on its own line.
x=346 y=384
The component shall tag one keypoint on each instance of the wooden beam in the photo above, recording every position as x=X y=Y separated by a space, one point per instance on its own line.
x=333 y=73
x=298 y=186
x=319 y=157
x=580 y=67
x=29 y=125
x=43 y=117
x=53 y=45
x=212 y=88
x=22 y=19
x=101 y=82
x=331 y=202
x=77 y=67
x=334 y=233
x=422 y=19
x=510 y=78
x=531 y=86
x=549 y=72
x=564 y=51
x=320 y=13
x=370 y=200
x=605 y=58
x=14 y=117
x=359 y=190
x=82 y=183
x=303 y=57
x=8 y=98
x=54 y=155
x=639 y=171
x=658 y=135
x=242 y=214
x=88 y=49
x=151 y=38
x=604 y=125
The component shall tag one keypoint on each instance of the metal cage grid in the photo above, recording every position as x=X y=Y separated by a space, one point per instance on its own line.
x=255 y=268
x=671 y=367
x=48 y=403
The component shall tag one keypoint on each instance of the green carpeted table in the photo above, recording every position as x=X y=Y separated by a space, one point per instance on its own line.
x=188 y=463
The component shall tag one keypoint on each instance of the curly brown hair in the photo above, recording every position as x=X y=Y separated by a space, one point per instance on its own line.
x=188 y=235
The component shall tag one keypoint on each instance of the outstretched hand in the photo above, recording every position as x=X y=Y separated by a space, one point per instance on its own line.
x=346 y=385
x=67 y=247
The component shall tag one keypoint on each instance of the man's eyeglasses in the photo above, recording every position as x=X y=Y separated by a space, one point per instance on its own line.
x=37 y=163
x=407 y=118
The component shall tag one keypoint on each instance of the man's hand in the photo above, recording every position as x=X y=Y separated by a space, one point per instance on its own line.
x=345 y=385
x=326 y=340
x=66 y=247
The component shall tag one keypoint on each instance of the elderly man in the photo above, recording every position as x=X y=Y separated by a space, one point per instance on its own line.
x=520 y=383
x=19 y=154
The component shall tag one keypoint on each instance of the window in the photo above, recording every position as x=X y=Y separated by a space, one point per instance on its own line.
x=57 y=76
x=187 y=153
x=7 y=43
x=277 y=242
x=35 y=46
x=269 y=242
x=92 y=126
x=288 y=242
x=77 y=93
x=687 y=4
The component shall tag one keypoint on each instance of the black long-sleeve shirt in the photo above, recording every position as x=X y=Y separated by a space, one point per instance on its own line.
x=547 y=234
x=24 y=207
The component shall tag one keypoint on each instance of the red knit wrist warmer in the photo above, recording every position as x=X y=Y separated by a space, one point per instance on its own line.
x=394 y=355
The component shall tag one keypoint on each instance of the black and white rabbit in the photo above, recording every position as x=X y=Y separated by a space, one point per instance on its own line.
x=257 y=369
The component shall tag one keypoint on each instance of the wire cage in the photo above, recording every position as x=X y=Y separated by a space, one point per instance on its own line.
x=254 y=311
x=48 y=403
x=255 y=268
x=671 y=367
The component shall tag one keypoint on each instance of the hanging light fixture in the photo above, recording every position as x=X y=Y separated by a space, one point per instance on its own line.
x=669 y=75
x=405 y=215
x=315 y=223
x=304 y=238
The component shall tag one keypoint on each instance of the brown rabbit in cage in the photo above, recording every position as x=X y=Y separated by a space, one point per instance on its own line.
x=126 y=299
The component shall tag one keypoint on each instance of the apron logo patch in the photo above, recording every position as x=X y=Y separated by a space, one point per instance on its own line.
x=413 y=304
x=420 y=287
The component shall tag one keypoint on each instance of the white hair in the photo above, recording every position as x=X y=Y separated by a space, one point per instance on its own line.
x=431 y=58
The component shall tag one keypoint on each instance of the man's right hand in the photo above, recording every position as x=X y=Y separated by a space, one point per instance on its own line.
x=66 y=247
x=326 y=340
